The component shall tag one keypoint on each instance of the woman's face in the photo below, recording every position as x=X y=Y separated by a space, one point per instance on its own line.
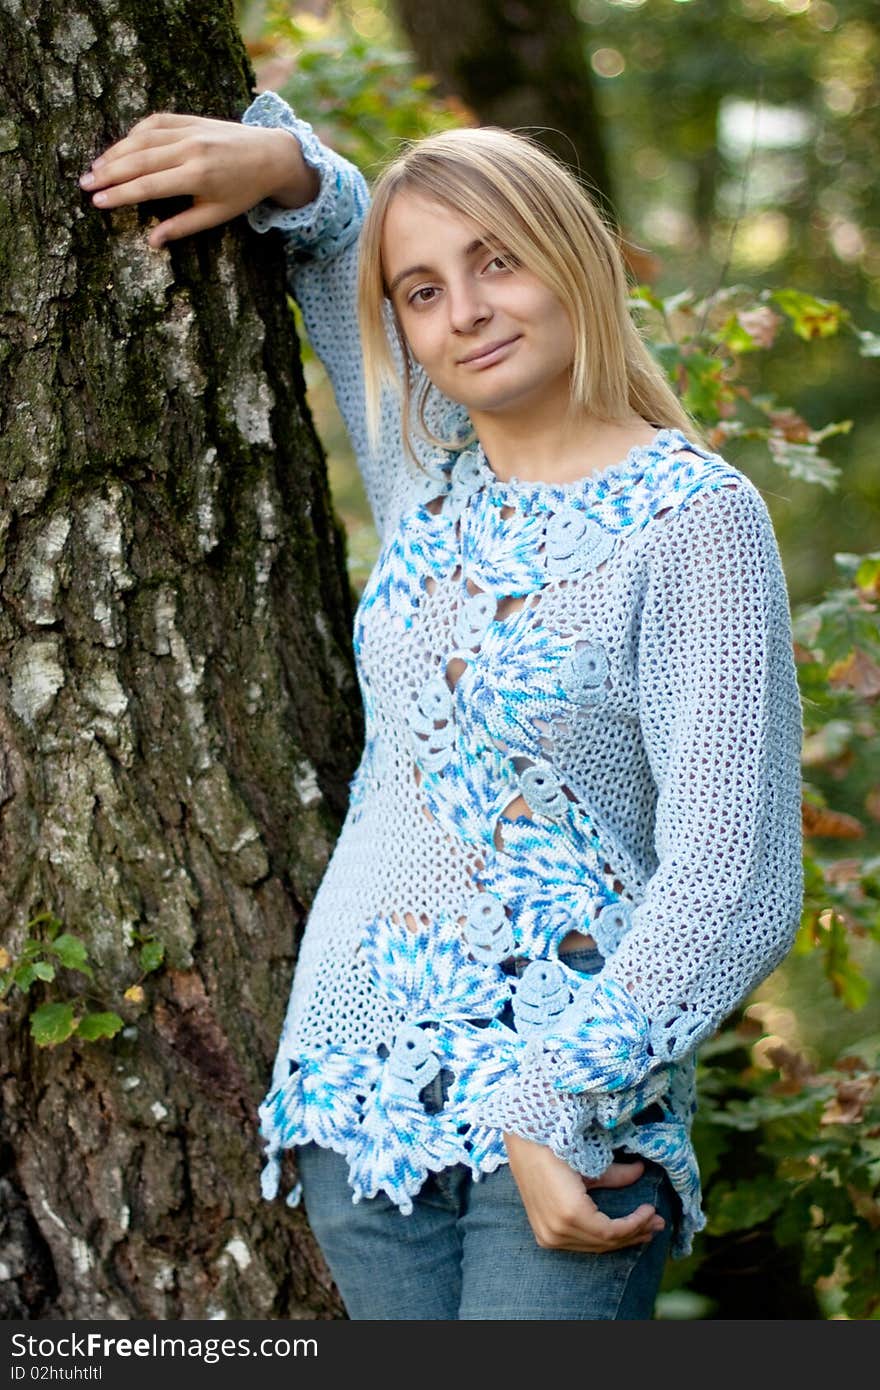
x=453 y=298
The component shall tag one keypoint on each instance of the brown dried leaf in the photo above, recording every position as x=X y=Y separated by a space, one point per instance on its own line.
x=857 y=672
x=843 y=871
x=833 y=825
x=791 y=426
x=850 y=1063
x=795 y=1069
x=848 y=1104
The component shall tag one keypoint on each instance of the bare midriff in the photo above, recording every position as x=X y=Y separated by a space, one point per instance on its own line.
x=575 y=941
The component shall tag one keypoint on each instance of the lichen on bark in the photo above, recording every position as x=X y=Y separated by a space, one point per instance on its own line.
x=179 y=714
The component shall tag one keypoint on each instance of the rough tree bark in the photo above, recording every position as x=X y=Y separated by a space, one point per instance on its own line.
x=179 y=715
x=516 y=63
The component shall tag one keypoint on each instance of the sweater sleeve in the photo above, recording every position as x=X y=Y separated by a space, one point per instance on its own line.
x=721 y=722
x=321 y=242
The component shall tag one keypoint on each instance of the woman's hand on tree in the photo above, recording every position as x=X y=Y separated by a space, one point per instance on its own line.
x=226 y=167
x=561 y=1213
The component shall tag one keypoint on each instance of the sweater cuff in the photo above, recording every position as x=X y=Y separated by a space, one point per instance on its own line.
x=331 y=221
x=528 y=1105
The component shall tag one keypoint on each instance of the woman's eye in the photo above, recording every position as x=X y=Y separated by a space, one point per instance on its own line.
x=414 y=297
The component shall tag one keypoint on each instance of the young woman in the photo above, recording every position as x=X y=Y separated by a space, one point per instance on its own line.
x=573 y=843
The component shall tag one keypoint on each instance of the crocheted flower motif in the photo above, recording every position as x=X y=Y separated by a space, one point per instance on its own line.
x=466 y=478
x=574 y=543
x=431 y=725
x=465 y=795
x=474 y=617
x=397 y=1145
x=518 y=682
x=397 y=1142
x=583 y=674
x=318 y=1101
x=454 y=424
x=541 y=997
x=677 y=1030
x=549 y=878
x=488 y=929
x=428 y=975
x=411 y=1064
x=610 y=927
x=423 y=544
x=501 y=558
x=601 y=1042
x=543 y=789
x=668 y=1144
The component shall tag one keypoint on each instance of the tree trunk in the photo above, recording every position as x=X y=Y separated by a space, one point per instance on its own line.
x=516 y=63
x=179 y=714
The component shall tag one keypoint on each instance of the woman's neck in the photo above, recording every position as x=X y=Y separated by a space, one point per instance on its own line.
x=539 y=450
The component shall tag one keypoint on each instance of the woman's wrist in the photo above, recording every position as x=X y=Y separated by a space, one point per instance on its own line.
x=293 y=182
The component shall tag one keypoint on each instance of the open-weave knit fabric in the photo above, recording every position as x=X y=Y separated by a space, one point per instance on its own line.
x=582 y=714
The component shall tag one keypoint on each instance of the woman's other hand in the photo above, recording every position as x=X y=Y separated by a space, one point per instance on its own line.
x=560 y=1211
x=226 y=167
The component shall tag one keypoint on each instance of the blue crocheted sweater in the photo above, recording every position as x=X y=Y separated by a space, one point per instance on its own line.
x=582 y=714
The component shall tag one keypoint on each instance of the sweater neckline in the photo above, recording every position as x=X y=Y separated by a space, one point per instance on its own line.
x=632 y=466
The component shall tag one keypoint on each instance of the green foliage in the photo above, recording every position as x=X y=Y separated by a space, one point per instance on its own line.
x=812 y=1170
x=55 y=1020
x=364 y=95
x=812 y=1173
x=701 y=344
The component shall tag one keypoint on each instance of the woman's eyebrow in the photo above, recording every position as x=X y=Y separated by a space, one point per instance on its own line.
x=469 y=250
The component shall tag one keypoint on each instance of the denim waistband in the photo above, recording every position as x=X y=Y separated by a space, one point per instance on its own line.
x=585 y=958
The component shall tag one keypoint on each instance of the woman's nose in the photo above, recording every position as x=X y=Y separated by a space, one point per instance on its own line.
x=467 y=308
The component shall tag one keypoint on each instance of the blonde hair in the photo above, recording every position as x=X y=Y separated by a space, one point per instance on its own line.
x=535 y=208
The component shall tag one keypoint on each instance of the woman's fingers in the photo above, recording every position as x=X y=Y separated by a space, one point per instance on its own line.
x=617 y=1175
x=195 y=219
x=163 y=128
x=588 y=1228
x=138 y=177
x=136 y=147
x=560 y=1210
x=623 y=1230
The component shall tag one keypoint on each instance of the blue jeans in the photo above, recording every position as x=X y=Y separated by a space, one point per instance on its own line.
x=467 y=1251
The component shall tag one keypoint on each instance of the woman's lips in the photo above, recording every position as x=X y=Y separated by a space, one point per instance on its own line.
x=487 y=358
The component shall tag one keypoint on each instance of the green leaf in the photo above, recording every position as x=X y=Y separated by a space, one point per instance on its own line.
x=53 y=924
x=804 y=461
x=734 y=336
x=24 y=976
x=152 y=954
x=52 y=1024
x=745 y=1205
x=810 y=317
x=99 y=1025
x=643 y=294
x=706 y=387
x=72 y=952
x=868 y=573
x=44 y=970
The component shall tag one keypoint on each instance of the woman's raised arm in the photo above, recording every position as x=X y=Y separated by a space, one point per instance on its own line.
x=273 y=167
x=225 y=167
